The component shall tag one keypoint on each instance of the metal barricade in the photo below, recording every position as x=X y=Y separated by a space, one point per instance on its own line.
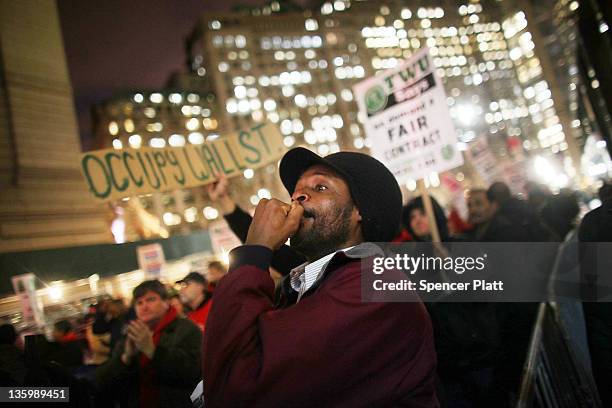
x=553 y=376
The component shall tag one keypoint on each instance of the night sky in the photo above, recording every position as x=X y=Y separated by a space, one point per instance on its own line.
x=113 y=46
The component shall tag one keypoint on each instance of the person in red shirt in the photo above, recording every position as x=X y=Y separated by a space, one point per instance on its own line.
x=63 y=332
x=156 y=364
x=196 y=298
x=67 y=348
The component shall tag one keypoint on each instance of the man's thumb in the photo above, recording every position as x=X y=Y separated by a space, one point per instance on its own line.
x=295 y=213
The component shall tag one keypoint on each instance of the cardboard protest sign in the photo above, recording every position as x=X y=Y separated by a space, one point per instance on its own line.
x=407 y=119
x=222 y=237
x=151 y=260
x=515 y=175
x=485 y=162
x=492 y=169
x=113 y=174
x=31 y=305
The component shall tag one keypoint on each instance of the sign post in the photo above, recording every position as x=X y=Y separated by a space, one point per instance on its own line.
x=222 y=238
x=431 y=218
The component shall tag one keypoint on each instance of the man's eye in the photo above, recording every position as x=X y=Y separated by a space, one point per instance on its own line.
x=320 y=187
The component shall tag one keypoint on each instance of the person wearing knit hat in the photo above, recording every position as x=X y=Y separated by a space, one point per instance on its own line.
x=372 y=187
x=324 y=346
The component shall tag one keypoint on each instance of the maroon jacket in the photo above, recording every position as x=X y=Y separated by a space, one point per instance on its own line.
x=329 y=349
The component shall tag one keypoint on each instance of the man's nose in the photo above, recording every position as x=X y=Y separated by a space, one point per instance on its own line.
x=299 y=196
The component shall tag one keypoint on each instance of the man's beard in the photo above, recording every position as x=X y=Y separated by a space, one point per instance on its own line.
x=327 y=233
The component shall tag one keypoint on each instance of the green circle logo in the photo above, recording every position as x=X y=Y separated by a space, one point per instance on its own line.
x=375 y=99
x=448 y=152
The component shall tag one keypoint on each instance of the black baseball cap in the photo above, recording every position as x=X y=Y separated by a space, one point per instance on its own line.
x=194 y=277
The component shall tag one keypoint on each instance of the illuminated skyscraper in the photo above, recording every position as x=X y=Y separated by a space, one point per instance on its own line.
x=297 y=69
x=595 y=54
x=578 y=89
x=509 y=70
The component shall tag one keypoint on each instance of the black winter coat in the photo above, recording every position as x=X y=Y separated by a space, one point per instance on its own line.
x=176 y=363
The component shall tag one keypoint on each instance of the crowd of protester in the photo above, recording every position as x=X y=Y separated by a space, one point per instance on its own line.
x=148 y=353
x=482 y=347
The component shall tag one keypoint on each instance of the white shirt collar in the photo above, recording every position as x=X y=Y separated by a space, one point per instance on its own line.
x=305 y=275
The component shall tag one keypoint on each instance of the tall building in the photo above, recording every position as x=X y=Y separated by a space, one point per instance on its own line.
x=508 y=69
x=296 y=69
x=578 y=85
x=44 y=202
x=595 y=53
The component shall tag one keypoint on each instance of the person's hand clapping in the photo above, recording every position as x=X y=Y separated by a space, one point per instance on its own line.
x=142 y=337
x=273 y=223
x=129 y=351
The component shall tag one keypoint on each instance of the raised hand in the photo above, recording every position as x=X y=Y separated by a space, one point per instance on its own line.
x=219 y=193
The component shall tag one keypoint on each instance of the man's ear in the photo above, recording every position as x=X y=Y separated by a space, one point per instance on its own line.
x=356 y=214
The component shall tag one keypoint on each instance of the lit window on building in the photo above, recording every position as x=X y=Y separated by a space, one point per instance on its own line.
x=176 y=140
x=210 y=213
x=175 y=98
x=135 y=141
x=156 y=97
x=113 y=128
x=192 y=124
x=128 y=125
x=149 y=112
x=196 y=138
x=157 y=142
x=311 y=24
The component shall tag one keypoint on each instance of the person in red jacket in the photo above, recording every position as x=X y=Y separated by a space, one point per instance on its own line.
x=196 y=297
x=156 y=363
x=320 y=344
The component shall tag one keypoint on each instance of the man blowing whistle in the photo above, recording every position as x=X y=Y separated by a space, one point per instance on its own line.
x=317 y=344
